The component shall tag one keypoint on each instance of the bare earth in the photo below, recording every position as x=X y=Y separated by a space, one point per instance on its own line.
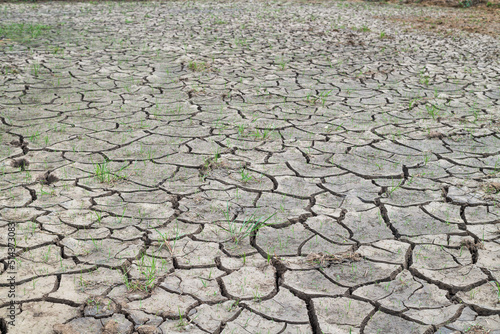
x=248 y=167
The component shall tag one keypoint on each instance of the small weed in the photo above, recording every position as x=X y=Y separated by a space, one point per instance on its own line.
x=364 y=28
x=52 y=192
x=240 y=41
x=477 y=329
x=475 y=111
x=394 y=188
x=426 y=159
x=413 y=103
x=262 y=134
x=241 y=129
x=56 y=50
x=34 y=137
x=210 y=164
x=282 y=64
x=134 y=285
x=148 y=270
x=432 y=110
x=166 y=241
x=183 y=323
x=219 y=21
x=97 y=244
x=22 y=32
x=473 y=293
x=424 y=78
x=35 y=69
x=313 y=99
x=497 y=286
x=323 y=95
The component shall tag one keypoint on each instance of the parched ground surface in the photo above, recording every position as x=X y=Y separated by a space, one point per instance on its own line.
x=247 y=167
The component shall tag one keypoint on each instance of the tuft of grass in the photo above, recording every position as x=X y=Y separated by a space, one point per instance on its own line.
x=322 y=97
x=135 y=285
x=148 y=270
x=240 y=231
x=431 y=110
x=22 y=32
x=200 y=66
x=103 y=173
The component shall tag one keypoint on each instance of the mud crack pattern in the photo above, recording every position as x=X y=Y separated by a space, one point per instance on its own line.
x=247 y=167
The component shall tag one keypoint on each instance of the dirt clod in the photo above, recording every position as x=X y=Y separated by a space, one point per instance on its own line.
x=20 y=163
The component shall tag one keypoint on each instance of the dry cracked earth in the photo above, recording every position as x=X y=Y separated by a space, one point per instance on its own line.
x=246 y=167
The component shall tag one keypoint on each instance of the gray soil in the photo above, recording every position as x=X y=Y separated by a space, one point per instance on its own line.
x=246 y=167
